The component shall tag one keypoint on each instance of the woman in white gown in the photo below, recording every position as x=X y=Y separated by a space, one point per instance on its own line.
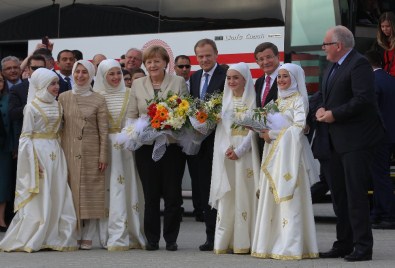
x=235 y=167
x=45 y=217
x=123 y=229
x=285 y=226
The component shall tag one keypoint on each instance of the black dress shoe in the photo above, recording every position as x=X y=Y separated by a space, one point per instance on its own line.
x=208 y=246
x=357 y=255
x=335 y=253
x=385 y=225
x=3 y=229
x=152 y=246
x=171 y=246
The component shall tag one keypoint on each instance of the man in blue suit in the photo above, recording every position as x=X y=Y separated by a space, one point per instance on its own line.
x=209 y=79
x=382 y=214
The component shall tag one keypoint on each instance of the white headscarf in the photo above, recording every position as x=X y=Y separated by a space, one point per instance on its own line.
x=83 y=90
x=38 y=85
x=298 y=83
x=223 y=138
x=101 y=85
x=248 y=97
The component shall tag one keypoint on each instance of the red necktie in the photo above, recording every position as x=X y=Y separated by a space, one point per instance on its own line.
x=267 y=89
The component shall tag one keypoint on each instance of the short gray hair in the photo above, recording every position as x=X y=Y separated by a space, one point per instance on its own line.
x=343 y=35
x=9 y=58
x=135 y=49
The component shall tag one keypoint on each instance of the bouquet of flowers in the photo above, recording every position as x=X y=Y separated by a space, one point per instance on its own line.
x=205 y=114
x=203 y=117
x=170 y=113
x=268 y=117
x=165 y=118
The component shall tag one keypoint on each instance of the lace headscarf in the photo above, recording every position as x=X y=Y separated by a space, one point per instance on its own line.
x=83 y=90
x=298 y=83
x=38 y=85
x=101 y=85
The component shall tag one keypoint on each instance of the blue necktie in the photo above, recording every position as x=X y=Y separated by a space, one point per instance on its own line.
x=205 y=86
x=68 y=81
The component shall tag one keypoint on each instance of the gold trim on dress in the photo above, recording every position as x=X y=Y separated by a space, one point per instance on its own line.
x=116 y=124
x=33 y=191
x=269 y=177
x=47 y=136
x=284 y=257
x=118 y=248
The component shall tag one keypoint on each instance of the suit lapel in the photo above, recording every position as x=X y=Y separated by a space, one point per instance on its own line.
x=196 y=83
x=337 y=74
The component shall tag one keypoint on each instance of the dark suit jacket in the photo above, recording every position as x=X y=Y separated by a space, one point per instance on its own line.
x=385 y=91
x=351 y=97
x=63 y=86
x=258 y=89
x=320 y=144
x=16 y=103
x=217 y=82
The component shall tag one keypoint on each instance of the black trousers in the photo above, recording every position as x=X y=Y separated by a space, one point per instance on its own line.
x=161 y=179
x=383 y=196
x=348 y=183
x=197 y=207
x=203 y=163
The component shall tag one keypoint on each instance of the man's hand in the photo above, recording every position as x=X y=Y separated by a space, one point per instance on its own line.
x=326 y=116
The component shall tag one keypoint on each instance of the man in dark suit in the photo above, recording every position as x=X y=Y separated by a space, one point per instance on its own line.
x=267 y=57
x=349 y=107
x=11 y=70
x=382 y=214
x=209 y=79
x=65 y=62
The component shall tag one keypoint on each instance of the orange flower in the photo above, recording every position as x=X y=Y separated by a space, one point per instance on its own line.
x=162 y=113
x=201 y=116
x=155 y=123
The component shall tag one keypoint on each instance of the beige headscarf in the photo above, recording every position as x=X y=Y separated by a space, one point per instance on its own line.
x=83 y=90
x=38 y=85
x=101 y=85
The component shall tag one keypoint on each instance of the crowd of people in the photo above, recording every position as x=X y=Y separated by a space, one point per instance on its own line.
x=74 y=180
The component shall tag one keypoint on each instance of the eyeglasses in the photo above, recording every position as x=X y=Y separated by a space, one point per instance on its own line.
x=182 y=66
x=328 y=44
x=127 y=79
x=36 y=67
x=262 y=59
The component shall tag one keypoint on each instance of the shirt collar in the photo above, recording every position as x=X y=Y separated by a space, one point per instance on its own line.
x=343 y=58
x=211 y=72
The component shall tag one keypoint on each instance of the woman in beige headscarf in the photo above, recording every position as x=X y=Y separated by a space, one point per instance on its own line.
x=123 y=229
x=84 y=141
x=45 y=216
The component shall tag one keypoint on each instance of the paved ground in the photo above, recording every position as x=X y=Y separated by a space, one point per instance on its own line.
x=188 y=255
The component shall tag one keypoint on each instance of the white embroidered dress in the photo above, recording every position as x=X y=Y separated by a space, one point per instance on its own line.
x=45 y=217
x=285 y=227
x=234 y=182
x=123 y=229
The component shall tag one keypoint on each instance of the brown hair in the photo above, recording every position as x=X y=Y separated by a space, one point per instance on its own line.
x=154 y=51
x=206 y=41
x=382 y=39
